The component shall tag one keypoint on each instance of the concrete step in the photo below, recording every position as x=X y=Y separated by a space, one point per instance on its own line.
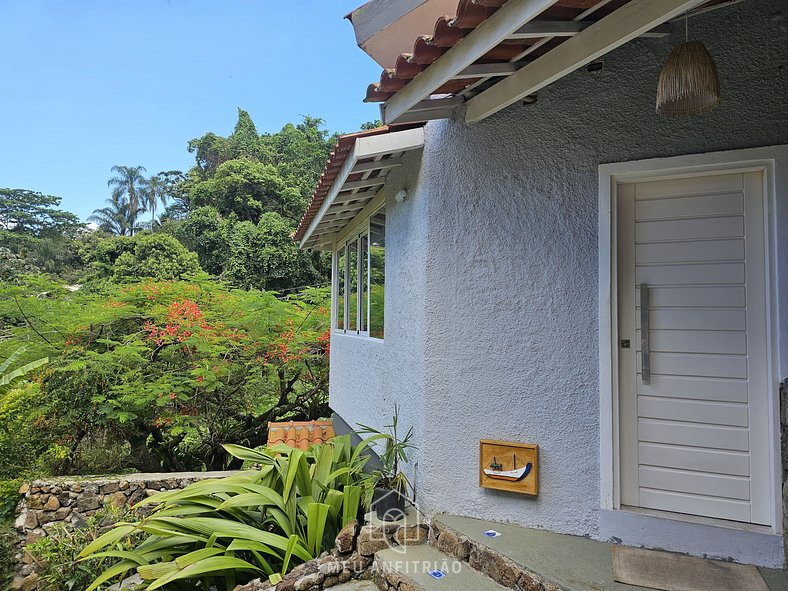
x=523 y=558
x=409 y=567
x=356 y=586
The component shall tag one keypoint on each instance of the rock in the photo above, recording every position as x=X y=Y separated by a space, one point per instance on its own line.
x=37 y=501
x=78 y=520
x=88 y=502
x=413 y=535
x=29 y=583
x=255 y=585
x=76 y=487
x=345 y=576
x=52 y=504
x=34 y=536
x=62 y=513
x=370 y=540
x=346 y=538
x=495 y=566
x=123 y=485
x=151 y=491
x=118 y=500
x=24 y=488
x=286 y=585
x=329 y=568
x=330 y=582
x=56 y=490
x=357 y=563
x=17 y=583
x=453 y=545
x=308 y=582
x=109 y=488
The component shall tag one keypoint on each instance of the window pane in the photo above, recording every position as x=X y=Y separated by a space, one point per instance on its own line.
x=377 y=272
x=341 y=290
x=362 y=296
x=352 y=290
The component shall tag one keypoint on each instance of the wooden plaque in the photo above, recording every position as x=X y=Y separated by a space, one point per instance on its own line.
x=509 y=466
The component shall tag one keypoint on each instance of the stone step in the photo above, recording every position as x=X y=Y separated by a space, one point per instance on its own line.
x=524 y=558
x=408 y=568
x=356 y=586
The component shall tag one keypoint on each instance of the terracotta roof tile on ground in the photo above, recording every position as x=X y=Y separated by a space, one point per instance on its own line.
x=335 y=162
x=300 y=434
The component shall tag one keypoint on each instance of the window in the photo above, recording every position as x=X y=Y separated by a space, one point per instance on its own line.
x=377 y=272
x=360 y=278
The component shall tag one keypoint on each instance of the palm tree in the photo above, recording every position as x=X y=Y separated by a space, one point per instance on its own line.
x=155 y=192
x=129 y=186
x=117 y=217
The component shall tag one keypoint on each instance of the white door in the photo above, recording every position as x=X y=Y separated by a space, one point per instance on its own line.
x=694 y=424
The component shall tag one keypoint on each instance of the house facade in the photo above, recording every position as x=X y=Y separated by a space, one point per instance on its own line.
x=496 y=274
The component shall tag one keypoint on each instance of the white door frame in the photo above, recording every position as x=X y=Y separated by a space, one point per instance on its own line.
x=773 y=162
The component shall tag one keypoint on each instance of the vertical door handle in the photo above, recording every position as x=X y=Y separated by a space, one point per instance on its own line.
x=645 y=349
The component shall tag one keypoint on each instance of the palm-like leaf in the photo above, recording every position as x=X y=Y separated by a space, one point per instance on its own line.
x=255 y=521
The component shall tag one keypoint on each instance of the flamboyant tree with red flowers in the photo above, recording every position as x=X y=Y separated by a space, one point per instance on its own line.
x=176 y=369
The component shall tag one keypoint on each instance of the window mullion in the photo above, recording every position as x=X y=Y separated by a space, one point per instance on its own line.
x=346 y=303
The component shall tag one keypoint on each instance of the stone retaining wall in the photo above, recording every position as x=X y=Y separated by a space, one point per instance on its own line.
x=72 y=500
x=352 y=556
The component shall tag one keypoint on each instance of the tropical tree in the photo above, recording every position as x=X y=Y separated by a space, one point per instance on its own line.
x=154 y=193
x=129 y=185
x=118 y=217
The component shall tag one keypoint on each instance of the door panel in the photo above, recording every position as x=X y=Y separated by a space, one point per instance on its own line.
x=693 y=437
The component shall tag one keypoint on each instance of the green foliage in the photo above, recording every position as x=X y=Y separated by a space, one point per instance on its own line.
x=8 y=538
x=9 y=498
x=395 y=453
x=35 y=214
x=13 y=266
x=155 y=256
x=261 y=522
x=56 y=555
x=163 y=372
x=24 y=437
x=247 y=189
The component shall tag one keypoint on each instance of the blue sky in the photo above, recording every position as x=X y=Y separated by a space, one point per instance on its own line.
x=87 y=84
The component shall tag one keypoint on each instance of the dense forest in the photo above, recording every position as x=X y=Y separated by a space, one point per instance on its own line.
x=180 y=318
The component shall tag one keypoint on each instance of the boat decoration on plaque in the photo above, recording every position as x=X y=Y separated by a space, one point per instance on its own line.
x=509 y=466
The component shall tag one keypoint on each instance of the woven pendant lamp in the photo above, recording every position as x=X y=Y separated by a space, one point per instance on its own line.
x=688 y=83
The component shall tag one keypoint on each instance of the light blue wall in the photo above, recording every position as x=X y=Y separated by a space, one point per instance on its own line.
x=492 y=327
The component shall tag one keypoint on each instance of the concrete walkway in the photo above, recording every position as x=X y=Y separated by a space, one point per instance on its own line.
x=574 y=562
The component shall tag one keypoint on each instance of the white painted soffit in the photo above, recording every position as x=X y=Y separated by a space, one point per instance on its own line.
x=636 y=18
x=369 y=163
x=386 y=28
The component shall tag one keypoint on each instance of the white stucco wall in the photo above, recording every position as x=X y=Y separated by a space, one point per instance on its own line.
x=491 y=304
x=368 y=376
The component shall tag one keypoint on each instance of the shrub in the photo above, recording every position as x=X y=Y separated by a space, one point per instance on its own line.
x=56 y=554
x=8 y=539
x=257 y=522
x=9 y=498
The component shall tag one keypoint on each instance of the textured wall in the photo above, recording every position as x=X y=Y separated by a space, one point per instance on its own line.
x=369 y=376
x=509 y=208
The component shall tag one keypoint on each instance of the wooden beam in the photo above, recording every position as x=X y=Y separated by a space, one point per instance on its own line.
x=492 y=31
x=377 y=165
x=354 y=197
x=626 y=23
x=539 y=29
x=364 y=183
x=486 y=70
x=363 y=148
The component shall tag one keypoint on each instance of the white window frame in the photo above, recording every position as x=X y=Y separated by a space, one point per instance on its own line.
x=342 y=248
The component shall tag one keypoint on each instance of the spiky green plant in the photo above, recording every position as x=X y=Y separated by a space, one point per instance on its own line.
x=6 y=376
x=258 y=522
